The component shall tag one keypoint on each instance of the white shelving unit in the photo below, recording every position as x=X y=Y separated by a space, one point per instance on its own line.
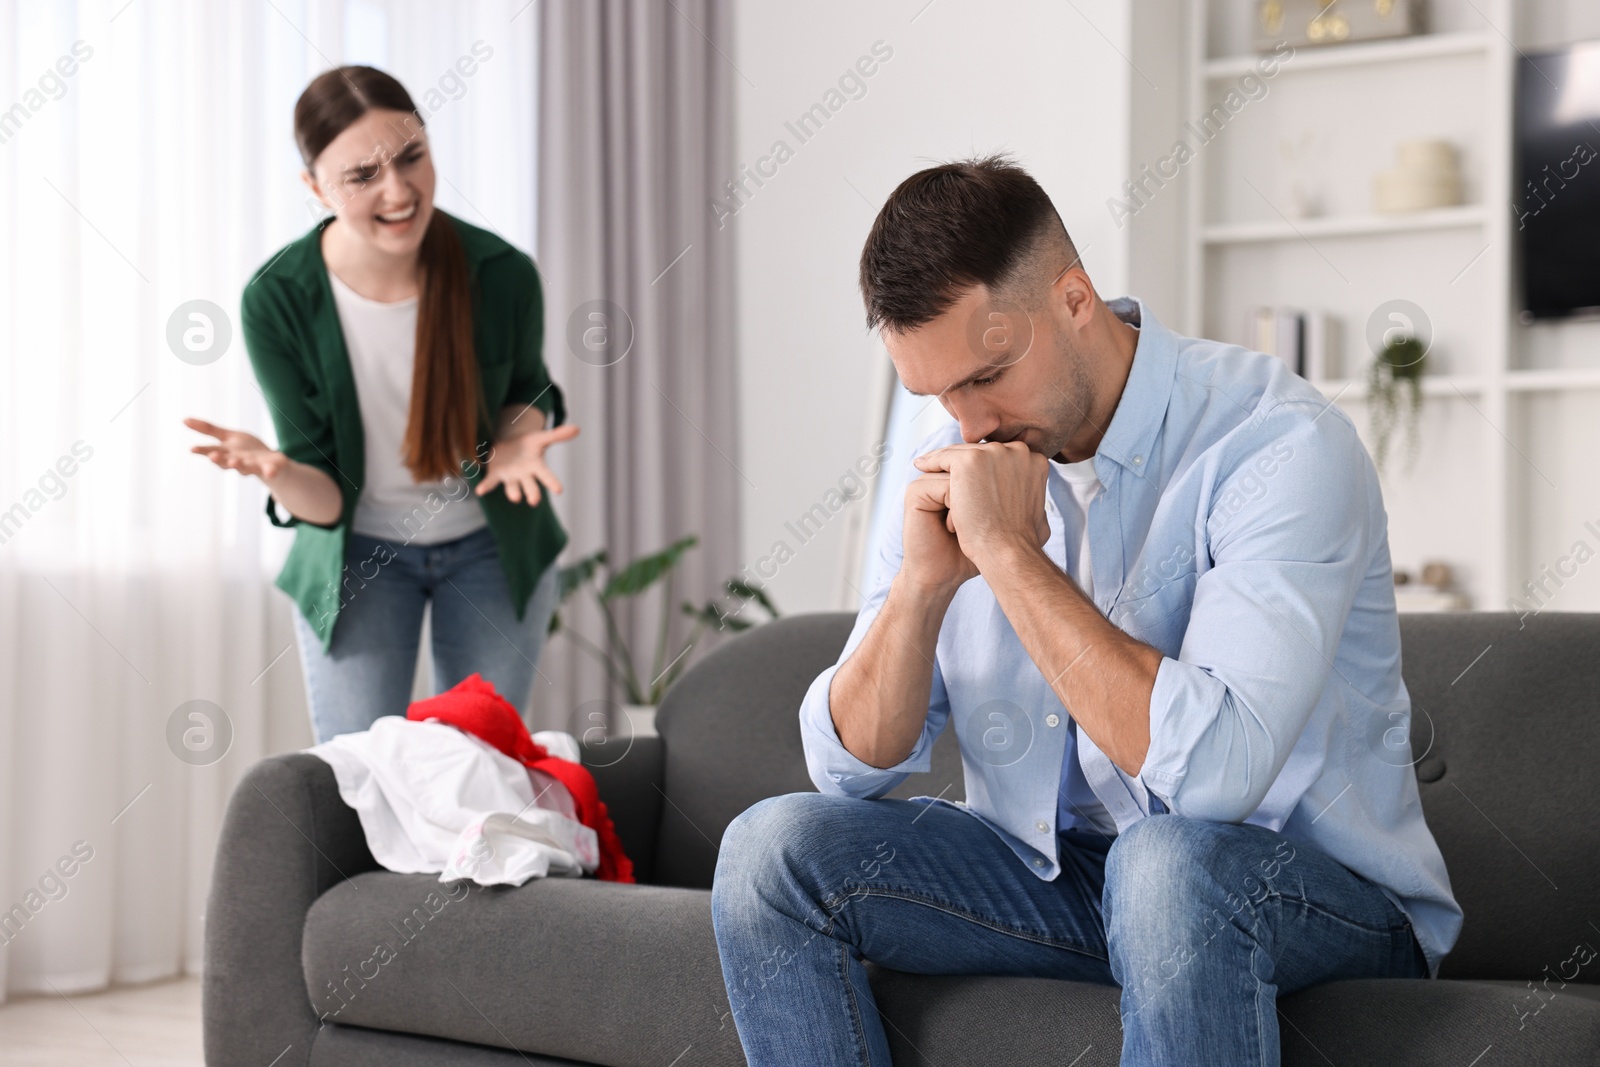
x=1243 y=247
x=1347 y=226
x=1422 y=46
x=1432 y=385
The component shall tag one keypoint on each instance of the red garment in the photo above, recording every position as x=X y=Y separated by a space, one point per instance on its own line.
x=476 y=708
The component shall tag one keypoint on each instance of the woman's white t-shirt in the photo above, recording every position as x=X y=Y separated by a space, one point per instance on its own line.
x=382 y=341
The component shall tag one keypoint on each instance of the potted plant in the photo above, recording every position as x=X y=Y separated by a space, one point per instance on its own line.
x=1398 y=367
x=608 y=586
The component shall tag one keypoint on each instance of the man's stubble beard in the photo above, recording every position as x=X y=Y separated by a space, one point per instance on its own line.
x=1073 y=399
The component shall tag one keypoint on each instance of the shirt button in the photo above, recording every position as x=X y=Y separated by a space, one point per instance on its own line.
x=1137 y=460
x=1052 y=720
x=1043 y=826
x=1038 y=863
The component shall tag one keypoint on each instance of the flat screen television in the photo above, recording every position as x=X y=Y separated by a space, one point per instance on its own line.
x=1555 y=202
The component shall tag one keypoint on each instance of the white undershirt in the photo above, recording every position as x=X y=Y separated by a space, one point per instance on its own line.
x=382 y=341
x=1080 y=802
x=1085 y=485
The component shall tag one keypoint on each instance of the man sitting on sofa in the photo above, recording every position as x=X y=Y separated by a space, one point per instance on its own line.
x=1146 y=580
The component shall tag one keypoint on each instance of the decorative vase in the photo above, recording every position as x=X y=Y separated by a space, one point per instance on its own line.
x=640 y=720
x=1429 y=176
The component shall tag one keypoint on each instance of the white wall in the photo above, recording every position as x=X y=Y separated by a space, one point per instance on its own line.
x=1044 y=80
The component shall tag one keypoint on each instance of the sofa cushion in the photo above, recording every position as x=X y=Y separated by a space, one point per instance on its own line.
x=627 y=976
x=356 y=1046
x=601 y=972
x=1420 y=1023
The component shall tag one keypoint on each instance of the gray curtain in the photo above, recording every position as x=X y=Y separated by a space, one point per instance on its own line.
x=635 y=135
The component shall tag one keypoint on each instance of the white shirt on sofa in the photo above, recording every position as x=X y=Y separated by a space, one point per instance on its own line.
x=433 y=798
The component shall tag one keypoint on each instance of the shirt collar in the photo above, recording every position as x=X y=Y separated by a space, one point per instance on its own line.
x=1143 y=406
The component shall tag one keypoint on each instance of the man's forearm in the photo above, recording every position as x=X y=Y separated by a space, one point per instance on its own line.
x=879 y=695
x=306 y=492
x=1100 y=674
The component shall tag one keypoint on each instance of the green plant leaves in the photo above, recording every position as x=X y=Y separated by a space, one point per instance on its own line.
x=745 y=591
x=569 y=580
x=632 y=580
x=1398 y=365
x=642 y=573
x=1403 y=357
x=582 y=571
x=715 y=618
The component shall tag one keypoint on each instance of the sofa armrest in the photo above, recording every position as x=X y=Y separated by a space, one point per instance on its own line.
x=628 y=773
x=287 y=838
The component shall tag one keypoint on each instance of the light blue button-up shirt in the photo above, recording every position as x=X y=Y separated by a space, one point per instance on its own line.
x=1240 y=532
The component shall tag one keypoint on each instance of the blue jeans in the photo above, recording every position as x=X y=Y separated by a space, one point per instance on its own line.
x=368 y=668
x=1202 y=924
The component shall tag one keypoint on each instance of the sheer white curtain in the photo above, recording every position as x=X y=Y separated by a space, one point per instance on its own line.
x=147 y=161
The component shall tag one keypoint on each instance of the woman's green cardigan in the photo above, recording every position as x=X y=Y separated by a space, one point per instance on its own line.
x=296 y=347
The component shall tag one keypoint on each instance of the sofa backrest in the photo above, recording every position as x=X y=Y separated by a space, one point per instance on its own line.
x=1505 y=743
x=1505 y=731
x=731 y=730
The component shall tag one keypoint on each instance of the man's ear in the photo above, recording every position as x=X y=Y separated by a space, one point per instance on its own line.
x=1073 y=296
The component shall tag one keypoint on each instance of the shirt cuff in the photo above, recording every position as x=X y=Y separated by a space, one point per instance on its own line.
x=272 y=514
x=1145 y=796
x=549 y=400
x=557 y=412
x=292 y=520
x=1182 y=707
x=831 y=763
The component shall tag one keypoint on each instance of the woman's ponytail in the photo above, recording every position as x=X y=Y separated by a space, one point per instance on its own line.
x=446 y=394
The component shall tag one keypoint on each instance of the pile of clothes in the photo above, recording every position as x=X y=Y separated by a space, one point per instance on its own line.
x=460 y=787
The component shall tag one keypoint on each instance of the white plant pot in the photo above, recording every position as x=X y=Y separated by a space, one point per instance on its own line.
x=641 y=720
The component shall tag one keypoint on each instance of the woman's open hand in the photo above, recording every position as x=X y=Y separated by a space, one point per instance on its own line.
x=518 y=464
x=236 y=450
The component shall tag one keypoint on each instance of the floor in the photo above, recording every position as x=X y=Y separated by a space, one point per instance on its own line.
x=156 y=1025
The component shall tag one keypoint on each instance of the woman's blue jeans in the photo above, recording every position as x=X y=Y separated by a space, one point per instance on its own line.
x=1203 y=925
x=368 y=668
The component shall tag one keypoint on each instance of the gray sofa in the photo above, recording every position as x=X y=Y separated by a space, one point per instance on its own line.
x=578 y=971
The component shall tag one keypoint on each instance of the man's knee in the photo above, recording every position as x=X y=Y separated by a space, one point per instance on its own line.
x=1169 y=852
x=764 y=827
x=765 y=840
x=1173 y=878
x=776 y=811
x=789 y=847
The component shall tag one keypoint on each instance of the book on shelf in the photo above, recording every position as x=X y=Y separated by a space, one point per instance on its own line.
x=1308 y=341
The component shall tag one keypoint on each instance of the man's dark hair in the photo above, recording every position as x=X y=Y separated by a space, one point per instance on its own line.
x=951 y=227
